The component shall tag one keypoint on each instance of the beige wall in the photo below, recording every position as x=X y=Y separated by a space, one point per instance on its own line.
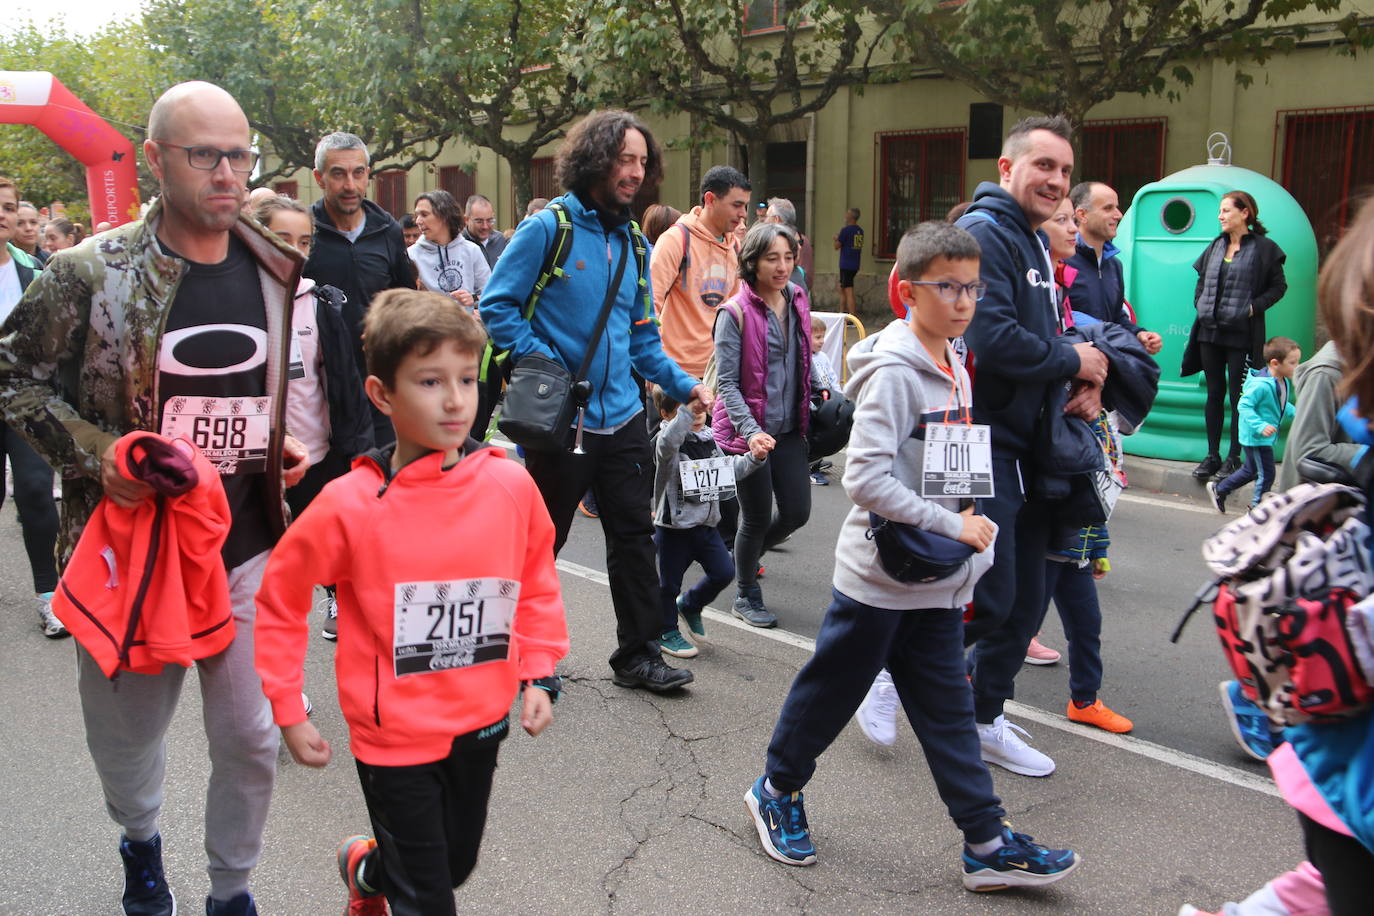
x=843 y=165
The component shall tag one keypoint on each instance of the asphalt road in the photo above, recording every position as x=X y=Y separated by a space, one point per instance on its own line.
x=630 y=803
x=1169 y=691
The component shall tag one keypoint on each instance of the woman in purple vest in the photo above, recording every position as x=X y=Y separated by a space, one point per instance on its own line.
x=763 y=357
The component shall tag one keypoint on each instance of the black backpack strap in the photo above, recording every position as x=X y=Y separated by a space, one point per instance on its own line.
x=612 y=291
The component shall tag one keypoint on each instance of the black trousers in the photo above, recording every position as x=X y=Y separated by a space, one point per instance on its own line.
x=37 y=511
x=428 y=820
x=1224 y=368
x=619 y=469
x=1347 y=867
x=1009 y=601
x=332 y=465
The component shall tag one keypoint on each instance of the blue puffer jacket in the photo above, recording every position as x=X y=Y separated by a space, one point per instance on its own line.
x=563 y=321
x=1014 y=335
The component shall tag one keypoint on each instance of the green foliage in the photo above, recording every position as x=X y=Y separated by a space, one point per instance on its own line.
x=696 y=57
x=111 y=72
x=1065 y=56
x=295 y=67
x=506 y=75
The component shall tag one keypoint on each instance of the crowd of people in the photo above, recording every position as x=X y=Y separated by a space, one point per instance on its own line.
x=351 y=437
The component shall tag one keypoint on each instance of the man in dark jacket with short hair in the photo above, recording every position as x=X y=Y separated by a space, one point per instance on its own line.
x=1097 y=287
x=358 y=247
x=1018 y=354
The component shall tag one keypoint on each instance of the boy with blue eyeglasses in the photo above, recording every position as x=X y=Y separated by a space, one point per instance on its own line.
x=909 y=389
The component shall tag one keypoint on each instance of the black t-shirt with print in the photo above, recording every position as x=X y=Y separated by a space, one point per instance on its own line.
x=215 y=346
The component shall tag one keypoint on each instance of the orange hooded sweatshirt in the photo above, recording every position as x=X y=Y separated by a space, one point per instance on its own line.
x=146 y=586
x=687 y=295
x=448 y=599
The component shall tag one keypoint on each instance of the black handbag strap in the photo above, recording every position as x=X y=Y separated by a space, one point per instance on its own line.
x=595 y=343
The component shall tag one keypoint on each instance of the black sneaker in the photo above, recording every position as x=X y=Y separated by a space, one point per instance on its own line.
x=653 y=674
x=242 y=905
x=1232 y=465
x=145 y=886
x=1207 y=468
x=1218 y=497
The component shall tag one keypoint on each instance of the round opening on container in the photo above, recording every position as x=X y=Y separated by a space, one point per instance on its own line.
x=1177 y=215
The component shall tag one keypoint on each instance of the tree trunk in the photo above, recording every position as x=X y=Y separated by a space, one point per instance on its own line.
x=757 y=145
x=522 y=182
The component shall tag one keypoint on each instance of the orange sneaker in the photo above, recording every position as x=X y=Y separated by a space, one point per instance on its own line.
x=361 y=901
x=1099 y=715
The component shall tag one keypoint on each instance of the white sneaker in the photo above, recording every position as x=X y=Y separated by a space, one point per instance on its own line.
x=877 y=715
x=330 y=630
x=1003 y=747
x=47 y=620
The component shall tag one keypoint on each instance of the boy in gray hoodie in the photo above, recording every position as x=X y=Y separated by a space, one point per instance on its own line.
x=905 y=381
x=686 y=517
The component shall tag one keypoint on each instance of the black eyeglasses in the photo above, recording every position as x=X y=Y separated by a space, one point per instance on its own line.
x=207 y=158
x=950 y=292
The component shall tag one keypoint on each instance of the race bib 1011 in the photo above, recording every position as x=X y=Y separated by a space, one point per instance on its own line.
x=454 y=624
x=958 y=461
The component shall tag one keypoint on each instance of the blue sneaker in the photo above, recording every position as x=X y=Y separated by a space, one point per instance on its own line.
x=1022 y=862
x=781 y=823
x=145 y=885
x=1248 y=722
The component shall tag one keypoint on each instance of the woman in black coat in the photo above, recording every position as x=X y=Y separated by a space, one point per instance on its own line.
x=1239 y=277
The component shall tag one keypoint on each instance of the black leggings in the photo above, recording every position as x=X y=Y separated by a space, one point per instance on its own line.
x=37 y=509
x=1347 y=867
x=785 y=476
x=1224 y=368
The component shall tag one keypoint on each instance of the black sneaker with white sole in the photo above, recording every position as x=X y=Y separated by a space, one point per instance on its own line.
x=653 y=674
x=1218 y=498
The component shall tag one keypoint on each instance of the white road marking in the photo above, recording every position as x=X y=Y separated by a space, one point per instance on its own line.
x=1170 y=504
x=1138 y=746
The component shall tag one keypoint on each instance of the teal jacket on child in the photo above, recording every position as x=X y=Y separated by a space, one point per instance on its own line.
x=1263 y=403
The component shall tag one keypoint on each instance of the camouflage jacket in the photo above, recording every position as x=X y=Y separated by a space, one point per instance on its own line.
x=79 y=354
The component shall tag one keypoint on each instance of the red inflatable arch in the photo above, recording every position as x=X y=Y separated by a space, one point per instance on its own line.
x=36 y=97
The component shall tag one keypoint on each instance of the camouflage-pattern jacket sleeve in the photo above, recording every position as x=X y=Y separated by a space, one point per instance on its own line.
x=40 y=350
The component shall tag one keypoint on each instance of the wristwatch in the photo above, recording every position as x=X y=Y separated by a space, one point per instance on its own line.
x=552 y=684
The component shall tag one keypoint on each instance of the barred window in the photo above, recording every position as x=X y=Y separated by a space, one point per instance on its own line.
x=1125 y=154
x=1328 y=159
x=920 y=177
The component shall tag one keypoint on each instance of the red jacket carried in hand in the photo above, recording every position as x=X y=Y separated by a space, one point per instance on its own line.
x=448 y=599
x=146 y=586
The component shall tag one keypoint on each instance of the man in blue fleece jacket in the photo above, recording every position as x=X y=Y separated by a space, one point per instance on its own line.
x=1018 y=354
x=601 y=164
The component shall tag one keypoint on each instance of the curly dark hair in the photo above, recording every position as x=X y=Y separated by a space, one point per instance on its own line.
x=587 y=155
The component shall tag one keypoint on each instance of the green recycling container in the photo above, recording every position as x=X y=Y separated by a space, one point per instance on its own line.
x=1169 y=224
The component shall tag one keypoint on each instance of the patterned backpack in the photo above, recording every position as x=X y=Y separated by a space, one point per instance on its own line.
x=1287 y=574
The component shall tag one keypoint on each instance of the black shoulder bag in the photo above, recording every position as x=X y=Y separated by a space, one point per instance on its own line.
x=542 y=394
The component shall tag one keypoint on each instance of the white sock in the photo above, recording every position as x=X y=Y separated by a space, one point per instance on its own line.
x=770 y=790
x=992 y=845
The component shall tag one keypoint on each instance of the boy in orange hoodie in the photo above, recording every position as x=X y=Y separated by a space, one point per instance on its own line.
x=433 y=643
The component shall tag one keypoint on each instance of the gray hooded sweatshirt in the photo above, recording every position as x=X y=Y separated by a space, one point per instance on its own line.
x=893 y=382
x=671 y=508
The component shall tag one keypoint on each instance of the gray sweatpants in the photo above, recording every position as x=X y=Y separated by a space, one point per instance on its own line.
x=126 y=722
